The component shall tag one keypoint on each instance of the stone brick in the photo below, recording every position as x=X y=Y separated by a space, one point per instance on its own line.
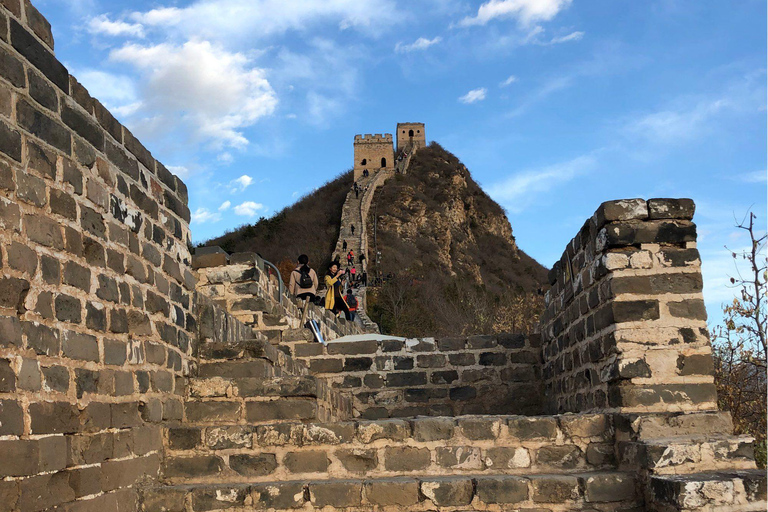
x=479 y=428
x=196 y=466
x=502 y=489
x=40 y=160
x=566 y=456
x=406 y=458
x=82 y=124
x=358 y=460
x=695 y=364
x=80 y=346
x=68 y=308
x=11 y=418
x=30 y=377
x=44 y=231
x=671 y=209
x=41 y=92
x=432 y=429
x=405 y=379
x=253 y=465
x=392 y=492
x=689 y=308
x=325 y=366
x=13 y=292
x=56 y=378
x=430 y=361
x=555 y=489
x=115 y=352
x=609 y=487
x=76 y=275
x=353 y=347
x=357 y=364
x=219 y=497
x=41 y=125
x=7 y=377
x=39 y=25
x=463 y=393
x=12 y=69
x=337 y=493
x=448 y=492
x=504 y=457
x=635 y=311
x=306 y=461
x=278 y=495
x=394 y=430
x=459 y=457
x=10 y=141
x=92 y=222
x=21 y=257
x=42 y=339
x=54 y=418
x=585 y=425
x=211 y=411
x=284 y=409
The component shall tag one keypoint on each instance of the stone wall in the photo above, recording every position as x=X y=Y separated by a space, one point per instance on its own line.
x=405 y=139
x=243 y=286
x=625 y=324
x=372 y=148
x=96 y=297
x=445 y=377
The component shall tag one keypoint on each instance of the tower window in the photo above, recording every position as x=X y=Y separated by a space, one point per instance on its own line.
x=383 y=162
x=364 y=162
x=410 y=133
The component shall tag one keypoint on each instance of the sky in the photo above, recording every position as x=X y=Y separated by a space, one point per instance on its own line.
x=554 y=105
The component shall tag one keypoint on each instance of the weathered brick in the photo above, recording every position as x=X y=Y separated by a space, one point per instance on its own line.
x=555 y=489
x=406 y=458
x=56 y=378
x=253 y=465
x=337 y=493
x=392 y=492
x=448 y=492
x=42 y=92
x=10 y=141
x=395 y=430
x=567 y=456
x=68 y=308
x=609 y=487
x=463 y=457
x=353 y=347
x=44 y=231
x=11 y=418
x=13 y=291
x=278 y=495
x=30 y=377
x=315 y=461
x=210 y=411
x=284 y=409
x=526 y=429
x=688 y=308
x=54 y=418
x=502 y=489
x=432 y=429
x=358 y=460
x=21 y=257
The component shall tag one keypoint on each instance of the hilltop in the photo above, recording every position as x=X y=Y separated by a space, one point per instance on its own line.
x=449 y=261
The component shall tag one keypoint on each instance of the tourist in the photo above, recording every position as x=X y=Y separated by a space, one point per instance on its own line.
x=352 y=227
x=303 y=284
x=361 y=258
x=352 y=305
x=364 y=278
x=344 y=246
x=353 y=274
x=334 y=300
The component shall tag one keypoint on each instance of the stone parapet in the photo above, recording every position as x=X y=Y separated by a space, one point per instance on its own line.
x=625 y=323
x=444 y=377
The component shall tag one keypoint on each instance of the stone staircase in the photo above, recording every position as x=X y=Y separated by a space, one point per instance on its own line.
x=259 y=432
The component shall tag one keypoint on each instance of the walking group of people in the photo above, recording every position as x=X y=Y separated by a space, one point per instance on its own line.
x=339 y=284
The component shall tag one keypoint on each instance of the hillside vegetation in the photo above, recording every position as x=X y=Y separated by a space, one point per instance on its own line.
x=309 y=226
x=448 y=257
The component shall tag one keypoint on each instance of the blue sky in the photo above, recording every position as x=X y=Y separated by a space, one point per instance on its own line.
x=554 y=105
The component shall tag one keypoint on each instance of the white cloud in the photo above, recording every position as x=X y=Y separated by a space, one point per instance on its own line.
x=225 y=206
x=202 y=215
x=526 y=12
x=216 y=92
x=225 y=158
x=115 y=91
x=671 y=126
x=248 y=208
x=509 y=81
x=227 y=19
x=474 y=95
x=241 y=183
x=421 y=43
x=519 y=190
x=754 y=177
x=103 y=25
x=573 y=36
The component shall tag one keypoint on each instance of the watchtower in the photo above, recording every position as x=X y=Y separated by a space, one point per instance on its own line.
x=411 y=134
x=373 y=152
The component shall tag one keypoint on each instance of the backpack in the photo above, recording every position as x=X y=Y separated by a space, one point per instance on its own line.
x=305 y=280
x=351 y=301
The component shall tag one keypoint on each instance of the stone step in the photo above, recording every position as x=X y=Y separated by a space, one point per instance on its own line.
x=716 y=491
x=236 y=410
x=234 y=358
x=638 y=427
x=584 y=491
x=688 y=454
x=388 y=448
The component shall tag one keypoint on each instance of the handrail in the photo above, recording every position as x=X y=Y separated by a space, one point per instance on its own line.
x=279 y=279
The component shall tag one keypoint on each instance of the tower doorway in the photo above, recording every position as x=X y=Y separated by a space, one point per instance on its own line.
x=383 y=162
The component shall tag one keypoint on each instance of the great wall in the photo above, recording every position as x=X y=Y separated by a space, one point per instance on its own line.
x=136 y=377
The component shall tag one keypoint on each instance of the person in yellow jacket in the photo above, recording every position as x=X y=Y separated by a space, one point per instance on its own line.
x=334 y=299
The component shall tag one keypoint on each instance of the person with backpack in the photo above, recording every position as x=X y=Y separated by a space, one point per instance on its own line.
x=351 y=301
x=303 y=283
x=344 y=246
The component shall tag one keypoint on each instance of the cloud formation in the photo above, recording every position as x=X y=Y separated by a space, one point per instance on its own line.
x=474 y=96
x=203 y=215
x=216 y=92
x=241 y=183
x=103 y=25
x=248 y=209
x=573 y=36
x=525 y=12
x=421 y=43
x=509 y=81
x=225 y=206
